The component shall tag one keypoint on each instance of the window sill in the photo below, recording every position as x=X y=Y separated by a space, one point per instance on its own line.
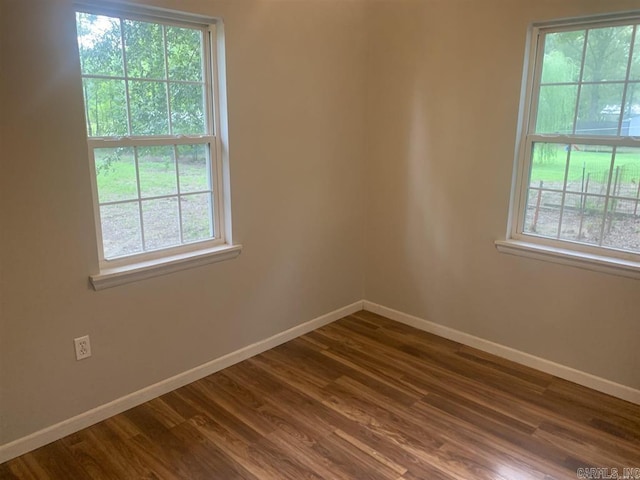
x=598 y=263
x=112 y=277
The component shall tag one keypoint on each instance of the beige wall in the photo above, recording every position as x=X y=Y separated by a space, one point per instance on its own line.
x=296 y=100
x=409 y=105
x=443 y=92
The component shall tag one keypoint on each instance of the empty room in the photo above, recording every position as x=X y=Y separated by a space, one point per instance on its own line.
x=320 y=239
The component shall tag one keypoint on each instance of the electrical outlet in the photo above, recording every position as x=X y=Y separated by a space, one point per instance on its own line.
x=83 y=347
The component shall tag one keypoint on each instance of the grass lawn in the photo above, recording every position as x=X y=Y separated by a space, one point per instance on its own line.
x=116 y=176
x=583 y=163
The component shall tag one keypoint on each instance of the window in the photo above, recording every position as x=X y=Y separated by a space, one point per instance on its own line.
x=151 y=108
x=578 y=181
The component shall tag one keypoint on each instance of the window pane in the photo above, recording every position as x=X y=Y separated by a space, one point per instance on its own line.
x=542 y=212
x=607 y=54
x=556 y=108
x=548 y=165
x=562 y=57
x=149 y=112
x=161 y=224
x=184 y=54
x=571 y=216
x=120 y=229
x=106 y=107
x=196 y=217
x=634 y=74
x=599 y=109
x=626 y=174
x=144 y=47
x=589 y=167
x=157 y=170
x=582 y=218
x=631 y=117
x=622 y=226
x=100 y=45
x=193 y=164
x=115 y=174
x=598 y=165
x=187 y=109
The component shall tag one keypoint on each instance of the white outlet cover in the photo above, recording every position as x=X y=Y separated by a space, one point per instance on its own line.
x=83 y=347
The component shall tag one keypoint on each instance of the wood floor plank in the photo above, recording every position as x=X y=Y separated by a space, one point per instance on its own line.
x=23 y=468
x=361 y=398
x=214 y=463
x=349 y=459
x=312 y=413
x=521 y=451
x=99 y=459
x=261 y=458
x=55 y=461
x=450 y=442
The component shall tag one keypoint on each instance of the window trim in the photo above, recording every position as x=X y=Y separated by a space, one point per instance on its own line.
x=114 y=276
x=148 y=264
x=608 y=260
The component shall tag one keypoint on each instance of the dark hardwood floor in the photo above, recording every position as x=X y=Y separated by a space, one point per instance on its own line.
x=361 y=398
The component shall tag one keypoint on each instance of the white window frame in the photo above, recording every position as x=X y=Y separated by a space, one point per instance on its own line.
x=605 y=259
x=130 y=268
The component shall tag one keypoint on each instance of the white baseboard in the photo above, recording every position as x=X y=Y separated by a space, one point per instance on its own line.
x=55 y=432
x=582 y=378
x=91 y=417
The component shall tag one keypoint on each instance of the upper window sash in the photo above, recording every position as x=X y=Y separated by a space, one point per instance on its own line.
x=167 y=82
x=534 y=83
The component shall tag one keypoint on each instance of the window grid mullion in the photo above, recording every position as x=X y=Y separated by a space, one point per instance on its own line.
x=214 y=164
x=175 y=154
x=564 y=193
x=543 y=189
x=126 y=75
x=139 y=200
x=626 y=81
x=97 y=76
x=607 y=197
x=580 y=78
x=166 y=74
x=162 y=197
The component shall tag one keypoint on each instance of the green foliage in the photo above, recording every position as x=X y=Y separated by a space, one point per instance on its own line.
x=100 y=45
x=144 y=49
x=184 y=54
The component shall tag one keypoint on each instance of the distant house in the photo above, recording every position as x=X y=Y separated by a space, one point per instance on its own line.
x=608 y=124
